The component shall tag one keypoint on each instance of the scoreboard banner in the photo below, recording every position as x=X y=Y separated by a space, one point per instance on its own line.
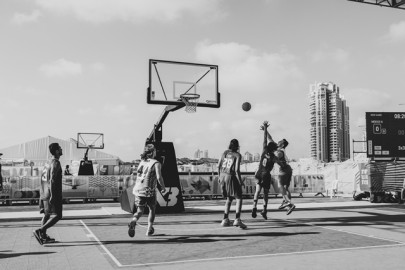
x=385 y=132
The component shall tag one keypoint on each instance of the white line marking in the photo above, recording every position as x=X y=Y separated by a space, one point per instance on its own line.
x=399 y=244
x=344 y=231
x=101 y=245
x=262 y=255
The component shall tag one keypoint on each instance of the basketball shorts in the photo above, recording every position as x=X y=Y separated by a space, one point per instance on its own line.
x=54 y=208
x=263 y=180
x=285 y=179
x=145 y=201
x=231 y=188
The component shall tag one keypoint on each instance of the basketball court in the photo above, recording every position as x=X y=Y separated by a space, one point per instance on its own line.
x=182 y=240
x=307 y=239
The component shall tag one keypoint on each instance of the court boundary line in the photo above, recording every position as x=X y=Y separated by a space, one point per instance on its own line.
x=348 y=232
x=91 y=234
x=116 y=261
x=261 y=255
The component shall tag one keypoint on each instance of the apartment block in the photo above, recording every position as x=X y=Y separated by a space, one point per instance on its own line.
x=329 y=123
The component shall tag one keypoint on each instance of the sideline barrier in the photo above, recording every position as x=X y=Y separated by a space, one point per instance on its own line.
x=207 y=185
x=26 y=188
x=381 y=176
x=20 y=185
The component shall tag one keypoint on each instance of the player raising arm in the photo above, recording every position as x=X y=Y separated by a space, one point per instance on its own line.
x=285 y=174
x=262 y=175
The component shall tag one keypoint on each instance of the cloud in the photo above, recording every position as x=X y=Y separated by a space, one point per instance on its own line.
x=243 y=68
x=20 y=18
x=119 y=109
x=338 y=55
x=136 y=11
x=362 y=100
x=215 y=126
x=396 y=32
x=61 y=68
x=97 y=67
x=86 y=111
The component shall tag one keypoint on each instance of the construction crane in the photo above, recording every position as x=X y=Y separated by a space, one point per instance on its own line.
x=383 y=3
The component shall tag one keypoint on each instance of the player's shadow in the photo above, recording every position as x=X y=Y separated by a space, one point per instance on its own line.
x=5 y=254
x=367 y=218
x=187 y=222
x=176 y=239
x=255 y=234
x=155 y=240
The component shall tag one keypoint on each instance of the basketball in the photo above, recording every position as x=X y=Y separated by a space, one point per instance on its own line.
x=246 y=106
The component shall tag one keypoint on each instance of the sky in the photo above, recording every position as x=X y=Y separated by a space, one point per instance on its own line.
x=70 y=66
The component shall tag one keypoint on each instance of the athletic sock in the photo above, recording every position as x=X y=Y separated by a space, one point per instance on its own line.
x=237 y=215
x=225 y=215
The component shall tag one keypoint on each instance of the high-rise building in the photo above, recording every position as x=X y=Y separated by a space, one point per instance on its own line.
x=329 y=120
x=248 y=156
x=201 y=154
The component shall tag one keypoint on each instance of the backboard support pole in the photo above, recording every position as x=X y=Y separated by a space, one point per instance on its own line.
x=156 y=134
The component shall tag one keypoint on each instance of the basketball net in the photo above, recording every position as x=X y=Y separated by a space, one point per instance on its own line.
x=191 y=101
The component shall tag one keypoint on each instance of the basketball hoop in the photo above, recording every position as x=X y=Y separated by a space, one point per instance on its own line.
x=191 y=101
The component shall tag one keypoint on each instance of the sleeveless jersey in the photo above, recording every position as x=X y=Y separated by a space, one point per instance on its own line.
x=282 y=162
x=146 y=180
x=228 y=162
x=266 y=162
x=46 y=177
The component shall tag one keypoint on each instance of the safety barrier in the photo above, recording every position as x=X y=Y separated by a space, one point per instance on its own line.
x=207 y=185
x=381 y=176
x=22 y=184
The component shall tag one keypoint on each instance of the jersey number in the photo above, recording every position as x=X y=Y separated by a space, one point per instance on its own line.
x=227 y=163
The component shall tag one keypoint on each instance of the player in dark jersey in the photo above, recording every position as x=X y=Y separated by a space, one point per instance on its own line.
x=262 y=175
x=51 y=195
x=231 y=182
x=285 y=174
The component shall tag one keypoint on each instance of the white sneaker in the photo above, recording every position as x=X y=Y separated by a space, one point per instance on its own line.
x=238 y=223
x=226 y=222
x=291 y=207
x=150 y=231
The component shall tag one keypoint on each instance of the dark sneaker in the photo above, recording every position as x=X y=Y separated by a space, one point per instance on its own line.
x=49 y=240
x=131 y=228
x=150 y=231
x=264 y=215
x=283 y=205
x=290 y=208
x=254 y=210
x=38 y=236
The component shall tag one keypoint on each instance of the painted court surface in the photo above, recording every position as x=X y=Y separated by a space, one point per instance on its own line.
x=332 y=238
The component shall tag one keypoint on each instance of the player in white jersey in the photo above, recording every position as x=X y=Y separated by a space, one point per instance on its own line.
x=148 y=175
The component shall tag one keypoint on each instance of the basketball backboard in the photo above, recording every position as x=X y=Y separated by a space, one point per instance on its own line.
x=90 y=140
x=168 y=80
